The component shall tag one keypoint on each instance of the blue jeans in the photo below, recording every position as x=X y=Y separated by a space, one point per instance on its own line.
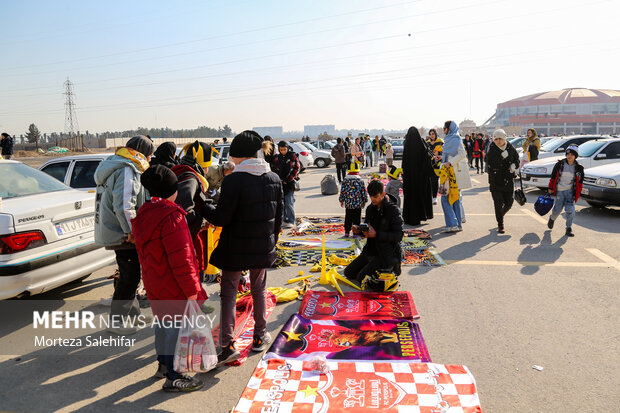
x=289 y=207
x=451 y=213
x=566 y=200
x=165 y=344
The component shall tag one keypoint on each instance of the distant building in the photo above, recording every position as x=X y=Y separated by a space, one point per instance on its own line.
x=566 y=111
x=273 y=131
x=315 y=130
x=467 y=127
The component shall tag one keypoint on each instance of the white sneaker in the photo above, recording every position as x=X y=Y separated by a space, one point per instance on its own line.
x=464 y=220
x=434 y=201
x=450 y=229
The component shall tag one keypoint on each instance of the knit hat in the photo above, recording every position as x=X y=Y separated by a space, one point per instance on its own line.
x=394 y=172
x=245 y=145
x=159 y=181
x=142 y=144
x=574 y=149
x=499 y=133
x=354 y=167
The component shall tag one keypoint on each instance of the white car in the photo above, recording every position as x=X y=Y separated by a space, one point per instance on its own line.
x=78 y=171
x=324 y=145
x=558 y=146
x=542 y=142
x=305 y=155
x=601 y=185
x=46 y=232
x=591 y=154
x=322 y=158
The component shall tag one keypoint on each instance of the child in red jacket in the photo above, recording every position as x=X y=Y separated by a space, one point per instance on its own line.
x=169 y=267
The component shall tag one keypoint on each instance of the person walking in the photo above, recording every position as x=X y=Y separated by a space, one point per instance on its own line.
x=352 y=197
x=7 y=145
x=531 y=146
x=565 y=184
x=382 y=142
x=118 y=197
x=455 y=156
x=250 y=213
x=286 y=166
x=502 y=160
x=479 y=153
x=357 y=152
x=468 y=143
x=435 y=143
x=389 y=155
x=376 y=150
x=417 y=174
x=368 y=151
x=339 y=154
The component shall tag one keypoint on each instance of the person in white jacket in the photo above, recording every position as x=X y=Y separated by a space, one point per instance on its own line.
x=454 y=155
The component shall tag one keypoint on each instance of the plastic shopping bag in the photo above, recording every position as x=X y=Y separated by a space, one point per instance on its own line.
x=195 y=351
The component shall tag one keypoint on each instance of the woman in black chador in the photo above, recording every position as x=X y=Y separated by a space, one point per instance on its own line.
x=417 y=179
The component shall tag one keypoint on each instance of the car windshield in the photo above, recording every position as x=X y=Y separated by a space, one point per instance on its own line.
x=552 y=145
x=329 y=144
x=397 y=142
x=21 y=180
x=588 y=148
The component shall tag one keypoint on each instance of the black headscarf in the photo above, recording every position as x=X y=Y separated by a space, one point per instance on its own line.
x=417 y=185
x=165 y=155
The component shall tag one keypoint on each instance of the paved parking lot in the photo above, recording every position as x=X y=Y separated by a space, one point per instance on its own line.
x=502 y=304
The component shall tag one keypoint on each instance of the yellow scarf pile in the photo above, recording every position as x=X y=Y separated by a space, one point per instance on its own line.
x=453 y=191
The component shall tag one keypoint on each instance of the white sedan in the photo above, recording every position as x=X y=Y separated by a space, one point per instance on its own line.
x=46 y=232
x=591 y=154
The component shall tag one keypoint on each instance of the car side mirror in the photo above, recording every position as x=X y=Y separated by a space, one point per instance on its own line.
x=559 y=150
x=601 y=156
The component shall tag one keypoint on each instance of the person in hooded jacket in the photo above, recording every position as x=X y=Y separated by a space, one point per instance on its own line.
x=417 y=179
x=169 y=268
x=502 y=160
x=339 y=154
x=531 y=146
x=119 y=195
x=385 y=231
x=166 y=155
x=250 y=213
x=193 y=187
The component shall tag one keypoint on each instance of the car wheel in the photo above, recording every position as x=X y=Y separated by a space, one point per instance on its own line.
x=596 y=204
x=320 y=163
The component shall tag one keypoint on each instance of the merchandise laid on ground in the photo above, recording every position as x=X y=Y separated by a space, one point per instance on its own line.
x=348 y=356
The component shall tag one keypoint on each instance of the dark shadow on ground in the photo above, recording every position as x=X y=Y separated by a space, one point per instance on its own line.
x=536 y=247
x=599 y=219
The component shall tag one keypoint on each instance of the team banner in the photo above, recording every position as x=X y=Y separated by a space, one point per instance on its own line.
x=286 y=386
x=330 y=305
x=350 y=340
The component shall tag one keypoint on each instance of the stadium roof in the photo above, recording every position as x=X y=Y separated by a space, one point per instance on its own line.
x=564 y=97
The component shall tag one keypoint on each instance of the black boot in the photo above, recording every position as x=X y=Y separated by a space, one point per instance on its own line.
x=500 y=228
x=550 y=223
x=569 y=232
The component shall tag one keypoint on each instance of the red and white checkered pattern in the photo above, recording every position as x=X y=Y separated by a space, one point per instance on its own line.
x=291 y=386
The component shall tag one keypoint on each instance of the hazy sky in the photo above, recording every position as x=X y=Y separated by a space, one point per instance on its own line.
x=352 y=63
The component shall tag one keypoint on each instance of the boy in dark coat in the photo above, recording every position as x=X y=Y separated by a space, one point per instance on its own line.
x=250 y=214
x=566 y=183
x=385 y=231
x=169 y=267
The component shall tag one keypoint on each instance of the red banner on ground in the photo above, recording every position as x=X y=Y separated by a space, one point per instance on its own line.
x=328 y=305
x=286 y=386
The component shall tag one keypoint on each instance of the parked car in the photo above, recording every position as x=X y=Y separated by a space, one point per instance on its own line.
x=322 y=158
x=600 y=185
x=542 y=142
x=558 y=146
x=518 y=141
x=222 y=155
x=305 y=155
x=46 y=232
x=591 y=154
x=397 y=145
x=78 y=171
x=324 y=145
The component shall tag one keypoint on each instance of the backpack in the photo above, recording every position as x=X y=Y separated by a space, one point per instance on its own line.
x=329 y=186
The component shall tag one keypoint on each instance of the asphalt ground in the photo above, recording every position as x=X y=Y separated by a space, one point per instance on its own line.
x=502 y=304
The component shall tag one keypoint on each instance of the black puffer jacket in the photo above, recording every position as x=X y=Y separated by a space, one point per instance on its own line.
x=500 y=176
x=250 y=214
x=388 y=224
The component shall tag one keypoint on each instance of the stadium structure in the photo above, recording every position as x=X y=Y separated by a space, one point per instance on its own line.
x=566 y=111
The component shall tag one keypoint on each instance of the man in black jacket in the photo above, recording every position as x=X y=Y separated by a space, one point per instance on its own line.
x=286 y=165
x=385 y=231
x=250 y=214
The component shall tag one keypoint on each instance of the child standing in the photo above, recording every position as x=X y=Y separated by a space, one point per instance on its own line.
x=389 y=155
x=353 y=197
x=169 y=267
x=394 y=185
x=566 y=183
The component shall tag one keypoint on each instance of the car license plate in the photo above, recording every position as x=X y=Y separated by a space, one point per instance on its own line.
x=585 y=191
x=75 y=225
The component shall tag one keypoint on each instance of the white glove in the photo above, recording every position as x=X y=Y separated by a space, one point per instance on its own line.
x=513 y=168
x=505 y=154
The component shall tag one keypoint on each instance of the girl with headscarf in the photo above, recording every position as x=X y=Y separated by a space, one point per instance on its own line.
x=417 y=184
x=531 y=146
x=165 y=155
x=455 y=156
